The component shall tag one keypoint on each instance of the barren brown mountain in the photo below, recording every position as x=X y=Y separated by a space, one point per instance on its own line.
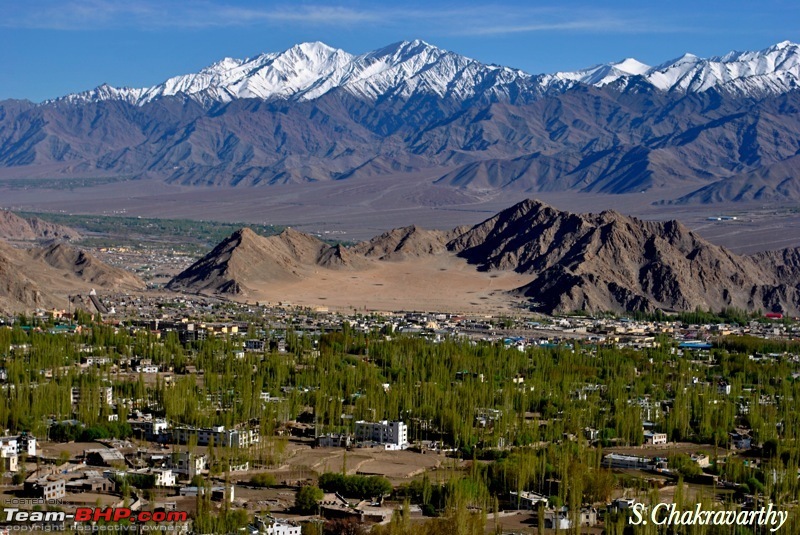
x=566 y=261
x=245 y=260
x=44 y=277
x=407 y=242
x=609 y=261
x=16 y=228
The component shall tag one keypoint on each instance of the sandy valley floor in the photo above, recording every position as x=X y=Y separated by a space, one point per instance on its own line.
x=442 y=283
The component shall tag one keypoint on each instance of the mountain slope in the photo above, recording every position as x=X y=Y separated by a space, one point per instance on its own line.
x=43 y=277
x=246 y=259
x=85 y=267
x=775 y=183
x=406 y=242
x=313 y=113
x=14 y=227
x=613 y=262
x=593 y=262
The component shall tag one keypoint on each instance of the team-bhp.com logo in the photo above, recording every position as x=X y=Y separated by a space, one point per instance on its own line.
x=668 y=514
x=117 y=514
x=97 y=514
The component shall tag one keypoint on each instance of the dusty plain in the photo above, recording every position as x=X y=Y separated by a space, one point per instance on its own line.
x=360 y=208
x=443 y=283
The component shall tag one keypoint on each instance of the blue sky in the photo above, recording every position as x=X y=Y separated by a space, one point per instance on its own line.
x=54 y=47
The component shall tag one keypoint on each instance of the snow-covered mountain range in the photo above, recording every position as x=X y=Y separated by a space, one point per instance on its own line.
x=310 y=70
x=727 y=126
x=403 y=70
x=770 y=71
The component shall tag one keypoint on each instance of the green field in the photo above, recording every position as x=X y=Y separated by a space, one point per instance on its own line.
x=119 y=231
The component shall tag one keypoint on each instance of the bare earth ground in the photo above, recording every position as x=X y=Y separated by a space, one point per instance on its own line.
x=443 y=283
x=397 y=466
x=54 y=449
x=667 y=450
x=358 y=209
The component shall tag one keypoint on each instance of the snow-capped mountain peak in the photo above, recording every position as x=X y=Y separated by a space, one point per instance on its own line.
x=307 y=71
x=632 y=66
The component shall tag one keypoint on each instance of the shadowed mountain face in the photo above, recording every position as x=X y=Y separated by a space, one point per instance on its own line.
x=593 y=262
x=43 y=277
x=729 y=126
x=609 y=261
x=586 y=139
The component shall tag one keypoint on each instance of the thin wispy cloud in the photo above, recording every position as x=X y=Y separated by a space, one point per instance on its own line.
x=593 y=25
x=149 y=14
x=486 y=19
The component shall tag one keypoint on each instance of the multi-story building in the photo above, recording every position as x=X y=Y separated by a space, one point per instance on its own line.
x=655 y=439
x=46 y=489
x=150 y=428
x=218 y=435
x=9 y=458
x=392 y=435
x=22 y=444
x=97 y=361
x=164 y=477
x=106 y=394
x=188 y=464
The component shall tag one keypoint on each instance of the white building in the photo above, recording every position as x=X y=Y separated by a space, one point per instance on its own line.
x=44 y=488
x=218 y=435
x=151 y=428
x=334 y=440
x=275 y=526
x=557 y=518
x=655 y=439
x=188 y=464
x=164 y=478
x=9 y=458
x=23 y=443
x=97 y=361
x=392 y=435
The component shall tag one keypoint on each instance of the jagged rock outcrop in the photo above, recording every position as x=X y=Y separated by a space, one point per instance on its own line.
x=609 y=261
x=86 y=267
